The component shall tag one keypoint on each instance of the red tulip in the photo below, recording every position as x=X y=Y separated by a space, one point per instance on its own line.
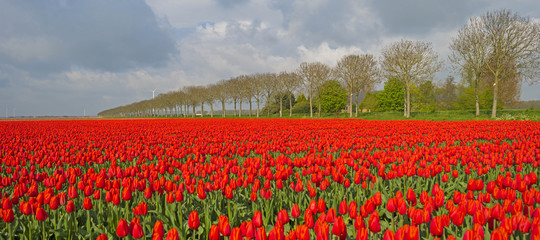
x=343 y=207
x=374 y=224
x=323 y=231
x=257 y=219
x=172 y=234
x=70 y=206
x=321 y=206
x=103 y=236
x=260 y=234
x=122 y=228
x=8 y=215
x=137 y=230
x=353 y=209
x=339 y=228
x=436 y=226
x=193 y=220
x=391 y=205
x=388 y=235
x=223 y=225
x=411 y=197
x=214 y=233
x=87 y=203
x=331 y=215
x=41 y=215
x=302 y=232
x=295 y=211
x=283 y=216
x=158 y=230
x=362 y=234
x=236 y=234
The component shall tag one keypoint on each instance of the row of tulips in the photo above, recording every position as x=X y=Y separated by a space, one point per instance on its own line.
x=269 y=179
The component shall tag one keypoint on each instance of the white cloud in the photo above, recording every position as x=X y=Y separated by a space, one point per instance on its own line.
x=324 y=54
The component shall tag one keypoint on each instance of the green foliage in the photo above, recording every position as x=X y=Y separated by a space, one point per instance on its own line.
x=333 y=97
x=273 y=104
x=301 y=98
x=424 y=97
x=302 y=107
x=391 y=98
x=466 y=100
x=370 y=102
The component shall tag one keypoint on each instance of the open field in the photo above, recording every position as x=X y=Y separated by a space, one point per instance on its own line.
x=269 y=179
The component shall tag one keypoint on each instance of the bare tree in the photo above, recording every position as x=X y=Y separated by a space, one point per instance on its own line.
x=221 y=94
x=512 y=40
x=246 y=89
x=209 y=97
x=470 y=52
x=291 y=82
x=256 y=82
x=269 y=82
x=411 y=62
x=358 y=73
x=313 y=75
x=235 y=95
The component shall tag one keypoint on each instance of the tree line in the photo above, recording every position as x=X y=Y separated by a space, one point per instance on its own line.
x=492 y=53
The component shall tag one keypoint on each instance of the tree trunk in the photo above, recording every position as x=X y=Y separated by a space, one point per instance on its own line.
x=240 y=112
x=405 y=101
x=310 y=106
x=408 y=102
x=280 y=107
x=290 y=105
x=193 y=112
x=319 y=101
x=250 y=107
x=477 y=103
x=234 y=107
x=211 y=109
x=223 y=107
x=185 y=110
x=202 y=109
x=350 y=104
x=357 y=101
x=495 y=90
x=258 y=101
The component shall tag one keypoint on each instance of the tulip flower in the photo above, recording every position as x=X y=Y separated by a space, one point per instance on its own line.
x=260 y=234
x=374 y=224
x=102 y=236
x=236 y=234
x=172 y=234
x=122 y=228
x=87 y=203
x=137 y=230
x=158 y=230
x=193 y=221
x=436 y=226
x=388 y=235
x=257 y=219
x=214 y=233
x=223 y=225
x=41 y=215
x=295 y=211
x=362 y=234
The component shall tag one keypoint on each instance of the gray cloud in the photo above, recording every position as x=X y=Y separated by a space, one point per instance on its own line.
x=44 y=37
x=60 y=57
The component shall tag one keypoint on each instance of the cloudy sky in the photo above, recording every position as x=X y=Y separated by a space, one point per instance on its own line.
x=62 y=57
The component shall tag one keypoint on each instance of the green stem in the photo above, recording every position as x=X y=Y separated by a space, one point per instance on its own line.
x=10 y=233
x=43 y=229
x=88 y=223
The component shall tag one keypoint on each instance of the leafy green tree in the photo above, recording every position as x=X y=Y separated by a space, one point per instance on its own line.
x=424 y=97
x=301 y=98
x=466 y=98
x=333 y=97
x=370 y=102
x=391 y=98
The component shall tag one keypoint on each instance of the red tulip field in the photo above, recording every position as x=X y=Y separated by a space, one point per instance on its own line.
x=269 y=179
